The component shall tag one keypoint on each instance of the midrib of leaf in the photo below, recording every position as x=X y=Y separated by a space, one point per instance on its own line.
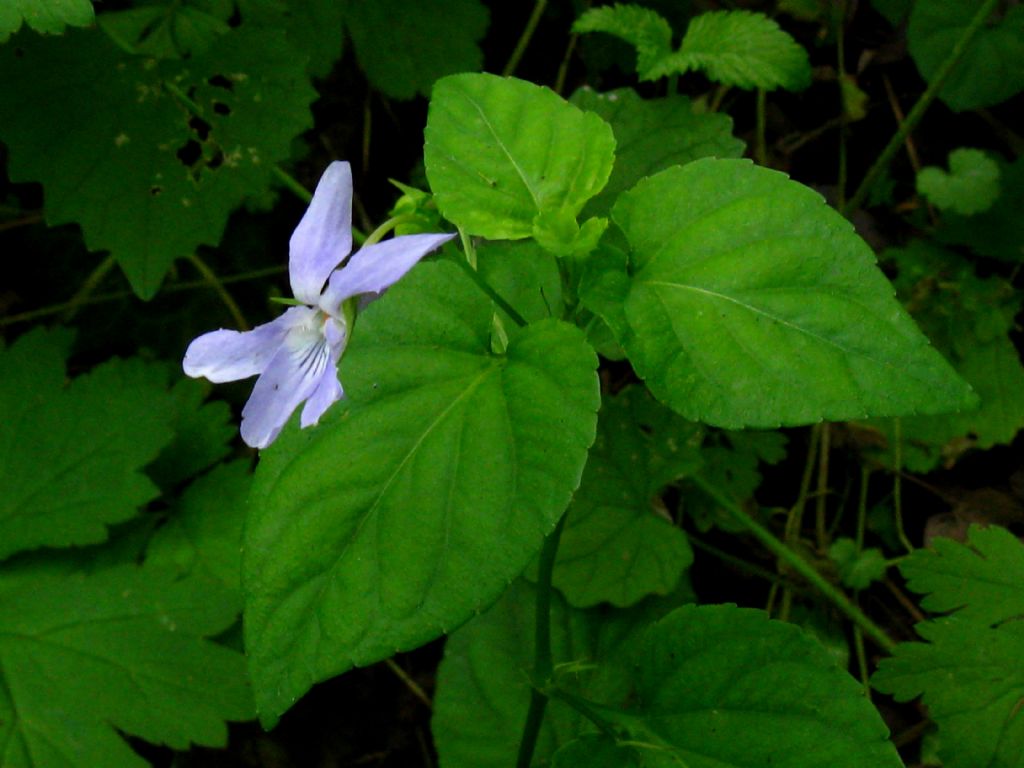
x=504 y=149
x=322 y=578
x=781 y=321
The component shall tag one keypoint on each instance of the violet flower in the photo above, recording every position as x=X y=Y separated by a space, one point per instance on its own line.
x=296 y=356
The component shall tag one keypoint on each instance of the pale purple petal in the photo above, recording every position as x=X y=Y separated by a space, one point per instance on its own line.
x=292 y=376
x=232 y=355
x=377 y=266
x=324 y=236
x=329 y=390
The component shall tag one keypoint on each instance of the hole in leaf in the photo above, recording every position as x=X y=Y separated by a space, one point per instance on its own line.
x=216 y=161
x=155 y=190
x=200 y=127
x=190 y=153
x=236 y=17
x=221 y=108
x=219 y=81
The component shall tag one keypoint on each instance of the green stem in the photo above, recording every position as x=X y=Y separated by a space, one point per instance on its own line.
x=492 y=294
x=378 y=234
x=467 y=248
x=897 y=483
x=760 y=147
x=524 y=38
x=214 y=282
x=542 y=663
x=91 y=283
x=189 y=285
x=821 y=500
x=181 y=96
x=585 y=708
x=798 y=564
x=939 y=80
x=292 y=184
x=412 y=685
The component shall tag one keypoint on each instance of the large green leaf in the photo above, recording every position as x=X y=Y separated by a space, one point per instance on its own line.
x=507 y=159
x=405 y=45
x=652 y=135
x=47 y=16
x=82 y=655
x=751 y=303
x=112 y=139
x=71 y=457
x=969 y=670
x=416 y=505
x=989 y=72
x=619 y=543
x=724 y=687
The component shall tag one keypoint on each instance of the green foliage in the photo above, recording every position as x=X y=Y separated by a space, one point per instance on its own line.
x=203 y=536
x=652 y=135
x=969 y=320
x=46 y=16
x=751 y=304
x=508 y=160
x=739 y=48
x=857 y=570
x=997 y=232
x=113 y=138
x=202 y=432
x=619 y=543
x=405 y=45
x=971 y=185
x=763 y=678
x=82 y=655
x=990 y=71
x=73 y=455
x=980 y=643
x=644 y=29
x=730 y=462
x=484 y=677
x=523 y=274
x=416 y=505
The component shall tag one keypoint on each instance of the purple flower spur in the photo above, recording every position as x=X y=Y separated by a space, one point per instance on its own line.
x=296 y=356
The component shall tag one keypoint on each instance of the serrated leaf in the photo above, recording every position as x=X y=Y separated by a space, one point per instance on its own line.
x=203 y=536
x=652 y=135
x=618 y=546
x=981 y=582
x=127 y=648
x=164 y=32
x=46 y=16
x=990 y=70
x=739 y=48
x=71 y=457
x=111 y=140
x=484 y=677
x=425 y=496
x=500 y=152
x=971 y=185
x=644 y=29
x=405 y=45
x=968 y=671
x=314 y=27
x=712 y=681
x=752 y=304
x=971 y=680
